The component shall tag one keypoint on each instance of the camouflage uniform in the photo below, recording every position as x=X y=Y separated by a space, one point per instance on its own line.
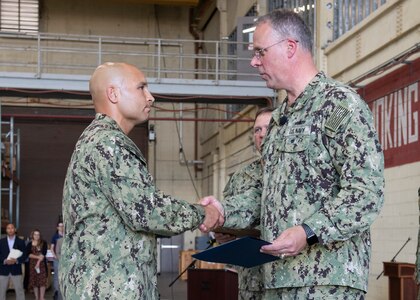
x=112 y=214
x=326 y=292
x=324 y=167
x=249 y=279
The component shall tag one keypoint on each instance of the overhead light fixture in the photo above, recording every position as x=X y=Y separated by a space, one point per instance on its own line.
x=251 y=29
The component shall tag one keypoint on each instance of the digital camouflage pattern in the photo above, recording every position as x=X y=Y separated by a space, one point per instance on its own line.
x=324 y=167
x=112 y=213
x=327 y=292
x=250 y=280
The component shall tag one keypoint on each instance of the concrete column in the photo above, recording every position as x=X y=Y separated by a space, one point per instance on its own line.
x=323 y=34
x=262 y=7
x=222 y=8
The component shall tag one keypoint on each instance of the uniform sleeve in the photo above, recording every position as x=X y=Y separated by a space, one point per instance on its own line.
x=357 y=157
x=242 y=202
x=129 y=187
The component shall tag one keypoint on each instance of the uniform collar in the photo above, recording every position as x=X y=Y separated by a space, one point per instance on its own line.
x=307 y=93
x=108 y=120
x=126 y=141
x=301 y=100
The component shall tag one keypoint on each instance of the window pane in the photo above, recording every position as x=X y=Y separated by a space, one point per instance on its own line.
x=19 y=15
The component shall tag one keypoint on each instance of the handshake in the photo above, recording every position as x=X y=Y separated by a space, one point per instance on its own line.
x=215 y=216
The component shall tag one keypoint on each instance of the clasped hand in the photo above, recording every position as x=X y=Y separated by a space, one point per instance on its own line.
x=10 y=261
x=214 y=214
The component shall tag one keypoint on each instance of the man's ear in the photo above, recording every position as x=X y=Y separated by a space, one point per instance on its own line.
x=291 y=48
x=113 y=94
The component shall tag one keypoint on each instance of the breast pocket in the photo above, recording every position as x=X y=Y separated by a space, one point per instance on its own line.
x=305 y=158
x=295 y=143
x=292 y=159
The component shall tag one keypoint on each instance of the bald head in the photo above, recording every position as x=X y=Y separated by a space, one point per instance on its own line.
x=105 y=76
x=120 y=91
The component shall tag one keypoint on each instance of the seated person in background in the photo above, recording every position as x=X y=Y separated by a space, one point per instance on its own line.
x=11 y=267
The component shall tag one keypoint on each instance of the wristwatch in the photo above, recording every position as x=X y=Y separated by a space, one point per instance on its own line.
x=311 y=237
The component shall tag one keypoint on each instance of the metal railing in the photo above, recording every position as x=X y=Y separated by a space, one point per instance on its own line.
x=46 y=53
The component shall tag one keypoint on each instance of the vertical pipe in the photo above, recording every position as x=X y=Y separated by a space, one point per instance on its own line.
x=158 y=57
x=181 y=61
x=99 y=51
x=38 y=69
x=181 y=137
x=12 y=175
x=18 y=177
x=196 y=36
x=313 y=14
x=217 y=63
x=207 y=67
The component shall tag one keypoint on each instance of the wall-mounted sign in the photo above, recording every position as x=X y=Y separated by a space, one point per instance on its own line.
x=394 y=101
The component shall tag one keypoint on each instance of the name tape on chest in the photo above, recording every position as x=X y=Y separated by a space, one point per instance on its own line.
x=298 y=130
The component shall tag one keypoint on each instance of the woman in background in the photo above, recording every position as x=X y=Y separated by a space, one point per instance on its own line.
x=37 y=249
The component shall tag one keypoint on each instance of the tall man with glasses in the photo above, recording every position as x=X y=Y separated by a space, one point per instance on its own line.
x=323 y=182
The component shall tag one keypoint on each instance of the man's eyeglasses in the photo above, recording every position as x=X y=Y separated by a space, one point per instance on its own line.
x=258 y=53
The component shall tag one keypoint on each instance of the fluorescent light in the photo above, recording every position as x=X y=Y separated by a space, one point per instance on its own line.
x=169 y=246
x=251 y=29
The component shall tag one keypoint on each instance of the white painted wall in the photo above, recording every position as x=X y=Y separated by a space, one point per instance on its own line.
x=397 y=222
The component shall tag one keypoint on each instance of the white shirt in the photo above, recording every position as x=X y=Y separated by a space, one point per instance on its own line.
x=11 y=242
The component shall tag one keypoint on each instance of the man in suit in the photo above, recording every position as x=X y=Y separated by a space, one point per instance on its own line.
x=11 y=267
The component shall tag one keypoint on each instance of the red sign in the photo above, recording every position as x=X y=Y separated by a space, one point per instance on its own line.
x=394 y=101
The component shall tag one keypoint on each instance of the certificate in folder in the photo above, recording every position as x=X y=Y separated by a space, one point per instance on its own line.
x=244 y=252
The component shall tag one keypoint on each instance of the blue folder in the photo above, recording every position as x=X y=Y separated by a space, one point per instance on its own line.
x=244 y=252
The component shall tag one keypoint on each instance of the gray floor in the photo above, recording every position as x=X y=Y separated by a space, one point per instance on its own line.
x=178 y=291
x=28 y=296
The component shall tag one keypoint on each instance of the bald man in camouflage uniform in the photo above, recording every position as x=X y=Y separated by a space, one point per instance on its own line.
x=111 y=208
x=247 y=182
x=323 y=173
